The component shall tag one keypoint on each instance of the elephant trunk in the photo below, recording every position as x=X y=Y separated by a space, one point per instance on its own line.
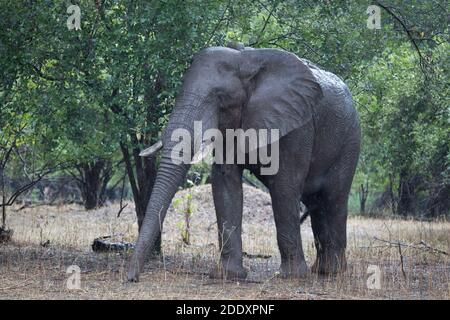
x=169 y=177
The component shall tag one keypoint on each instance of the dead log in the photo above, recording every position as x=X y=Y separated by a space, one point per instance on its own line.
x=103 y=244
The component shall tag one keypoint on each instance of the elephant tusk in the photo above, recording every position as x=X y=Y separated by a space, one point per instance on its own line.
x=151 y=150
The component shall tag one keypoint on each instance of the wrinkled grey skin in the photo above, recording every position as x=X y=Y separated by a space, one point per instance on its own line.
x=319 y=149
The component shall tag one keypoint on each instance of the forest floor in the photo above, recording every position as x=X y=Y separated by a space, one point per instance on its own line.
x=47 y=240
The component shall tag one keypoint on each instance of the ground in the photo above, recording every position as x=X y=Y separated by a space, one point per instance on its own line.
x=47 y=240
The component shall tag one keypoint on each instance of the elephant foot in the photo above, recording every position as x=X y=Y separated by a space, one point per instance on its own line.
x=237 y=273
x=329 y=263
x=293 y=270
x=132 y=275
x=133 y=270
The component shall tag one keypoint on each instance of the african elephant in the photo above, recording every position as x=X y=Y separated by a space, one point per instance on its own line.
x=319 y=143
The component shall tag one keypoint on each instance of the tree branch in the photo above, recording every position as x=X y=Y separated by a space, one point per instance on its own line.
x=266 y=22
x=216 y=27
x=422 y=60
x=129 y=168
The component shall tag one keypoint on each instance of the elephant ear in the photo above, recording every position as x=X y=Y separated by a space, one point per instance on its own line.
x=282 y=91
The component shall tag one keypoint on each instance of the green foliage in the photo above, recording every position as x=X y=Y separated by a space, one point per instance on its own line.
x=73 y=96
x=185 y=207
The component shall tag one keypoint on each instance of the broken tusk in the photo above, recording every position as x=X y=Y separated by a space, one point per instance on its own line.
x=151 y=150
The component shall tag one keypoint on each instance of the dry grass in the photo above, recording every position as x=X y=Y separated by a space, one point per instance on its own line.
x=28 y=270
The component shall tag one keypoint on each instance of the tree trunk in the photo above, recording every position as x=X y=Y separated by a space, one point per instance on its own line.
x=407 y=194
x=3 y=161
x=92 y=181
x=439 y=188
x=2 y=185
x=142 y=177
x=363 y=194
x=439 y=201
x=392 y=195
x=141 y=184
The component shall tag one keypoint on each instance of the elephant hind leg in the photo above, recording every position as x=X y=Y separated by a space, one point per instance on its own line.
x=328 y=210
x=328 y=221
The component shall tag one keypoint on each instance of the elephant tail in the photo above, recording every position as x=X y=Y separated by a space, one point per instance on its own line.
x=304 y=216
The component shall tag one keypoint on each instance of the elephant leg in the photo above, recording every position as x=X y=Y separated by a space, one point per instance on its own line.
x=328 y=211
x=286 y=208
x=328 y=222
x=228 y=201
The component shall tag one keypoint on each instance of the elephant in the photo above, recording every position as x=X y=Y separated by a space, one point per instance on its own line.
x=319 y=143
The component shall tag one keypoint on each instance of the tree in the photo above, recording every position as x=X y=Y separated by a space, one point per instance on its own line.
x=104 y=92
x=92 y=179
x=111 y=85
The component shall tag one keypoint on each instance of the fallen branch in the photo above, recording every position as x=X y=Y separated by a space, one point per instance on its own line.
x=256 y=256
x=423 y=243
x=103 y=245
x=47 y=203
x=222 y=281
x=30 y=206
x=424 y=246
x=186 y=272
x=26 y=283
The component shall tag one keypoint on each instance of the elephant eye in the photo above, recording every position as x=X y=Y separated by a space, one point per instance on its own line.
x=222 y=96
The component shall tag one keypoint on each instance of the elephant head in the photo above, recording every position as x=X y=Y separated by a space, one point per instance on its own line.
x=225 y=88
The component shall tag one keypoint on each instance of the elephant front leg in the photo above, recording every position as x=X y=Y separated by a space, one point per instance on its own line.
x=228 y=201
x=286 y=208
